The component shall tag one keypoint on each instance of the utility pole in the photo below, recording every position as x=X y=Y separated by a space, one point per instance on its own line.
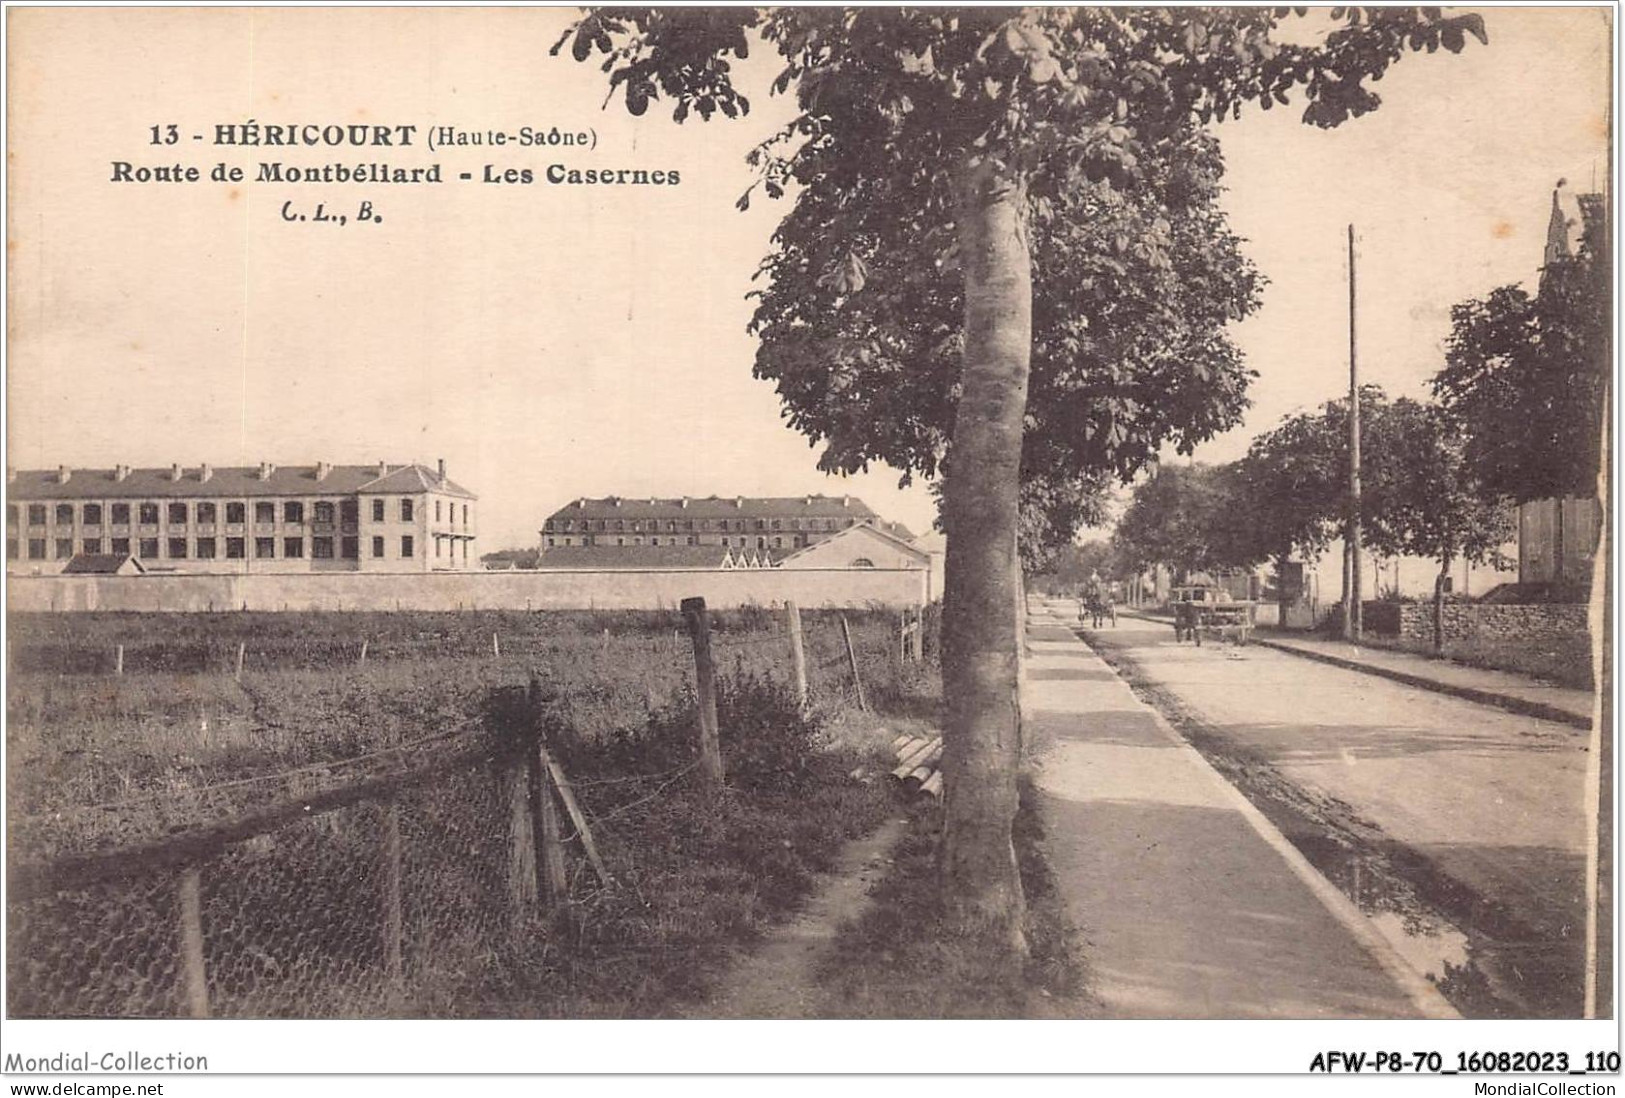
x=1351 y=594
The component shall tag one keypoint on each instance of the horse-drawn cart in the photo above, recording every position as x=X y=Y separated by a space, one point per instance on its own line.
x=1199 y=610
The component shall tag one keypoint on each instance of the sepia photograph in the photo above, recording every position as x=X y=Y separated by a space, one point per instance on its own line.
x=1092 y=516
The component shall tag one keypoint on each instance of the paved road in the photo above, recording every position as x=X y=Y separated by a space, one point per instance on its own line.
x=1417 y=804
x=1190 y=904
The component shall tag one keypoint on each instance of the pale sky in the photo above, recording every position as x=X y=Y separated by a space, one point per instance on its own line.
x=553 y=341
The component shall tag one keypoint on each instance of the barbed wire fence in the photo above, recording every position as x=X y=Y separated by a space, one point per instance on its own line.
x=414 y=880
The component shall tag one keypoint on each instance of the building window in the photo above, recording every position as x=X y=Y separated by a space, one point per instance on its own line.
x=550 y=543
x=177 y=548
x=236 y=513
x=12 y=550
x=620 y=541
x=321 y=548
x=36 y=548
x=350 y=548
x=293 y=511
x=378 y=543
x=148 y=515
x=121 y=547
x=205 y=548
x=264 y=512
x=177 y=514
x=265 y=548
x=465 y=514
x=350 y=510
x=437 y=510
x=778 y=543
x=437 y=545
x=93 y=514
x=324 y=510
x=121 y=514
x=761 y=543
x=64 y=514
x=206 y=513
x=378 y=510
x=406 y=516
x=64 y=548
x=149 y=548
x=235 y=547
x=639 y=541
x=465 y=550
x=12 y=514
x=36 y=514
x=407 y=548
x=293 y=548
x=861 y=562
x=93 y=545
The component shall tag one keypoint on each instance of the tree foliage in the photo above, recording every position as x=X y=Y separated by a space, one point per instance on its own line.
x=1525 y=383
x=1052 y=157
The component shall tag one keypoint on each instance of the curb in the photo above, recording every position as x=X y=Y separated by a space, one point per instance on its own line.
x=1422 y=992
x=1522 y=706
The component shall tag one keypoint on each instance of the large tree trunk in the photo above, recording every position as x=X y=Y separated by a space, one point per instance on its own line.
x=1438 y=603
x=1283 y=601
x=982 y=746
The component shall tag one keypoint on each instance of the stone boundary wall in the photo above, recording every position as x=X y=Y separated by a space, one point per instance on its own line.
x=840 y=588
x=1463 y=620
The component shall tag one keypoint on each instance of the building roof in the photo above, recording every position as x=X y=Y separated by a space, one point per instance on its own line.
x=101 y=564
x=594 y=557
x=863 y=530
x=229 y=482
x=619 y=507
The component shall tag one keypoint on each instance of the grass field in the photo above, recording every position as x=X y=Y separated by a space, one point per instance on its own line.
x=99 y=760
x=178 y=719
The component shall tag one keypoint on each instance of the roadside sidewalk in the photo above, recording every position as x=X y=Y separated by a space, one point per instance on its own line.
x=1192 y=905
x=1502 y=689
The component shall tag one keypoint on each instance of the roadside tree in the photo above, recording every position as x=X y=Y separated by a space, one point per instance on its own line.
x=980 y=131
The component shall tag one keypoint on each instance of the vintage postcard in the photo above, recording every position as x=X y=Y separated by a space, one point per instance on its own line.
x=1086 y=514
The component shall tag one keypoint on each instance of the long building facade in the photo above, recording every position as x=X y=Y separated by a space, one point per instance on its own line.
x=782 y=524
x=270 y=518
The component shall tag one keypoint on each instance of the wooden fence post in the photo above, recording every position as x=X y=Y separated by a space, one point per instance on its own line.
x=241 y=645
x=798 y=653
x=521 y=842
x=546 y=812
x=392 y=892
x=705 y=689
x=916 y=639
x=194 y=978
x=852 y=661
x=362 y=662
x=118 y=661
x=496 y=646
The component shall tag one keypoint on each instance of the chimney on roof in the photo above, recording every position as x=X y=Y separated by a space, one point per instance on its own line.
x=685 y=501
x=581 y=503
x=651 y=501
x=383 y=469
x=121 y=472
x=62 y=474
x=322 y=469
x=442 y=470
x=739 y=502
x=846 y=501
x=617 y=500
x=266 y=469
x=175 y=472
x=205 y=471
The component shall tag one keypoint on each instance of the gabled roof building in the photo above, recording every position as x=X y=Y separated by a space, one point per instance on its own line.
x=768 y=524
x=269 y=518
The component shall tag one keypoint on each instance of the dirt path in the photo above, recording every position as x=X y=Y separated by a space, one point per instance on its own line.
x=777 y=979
